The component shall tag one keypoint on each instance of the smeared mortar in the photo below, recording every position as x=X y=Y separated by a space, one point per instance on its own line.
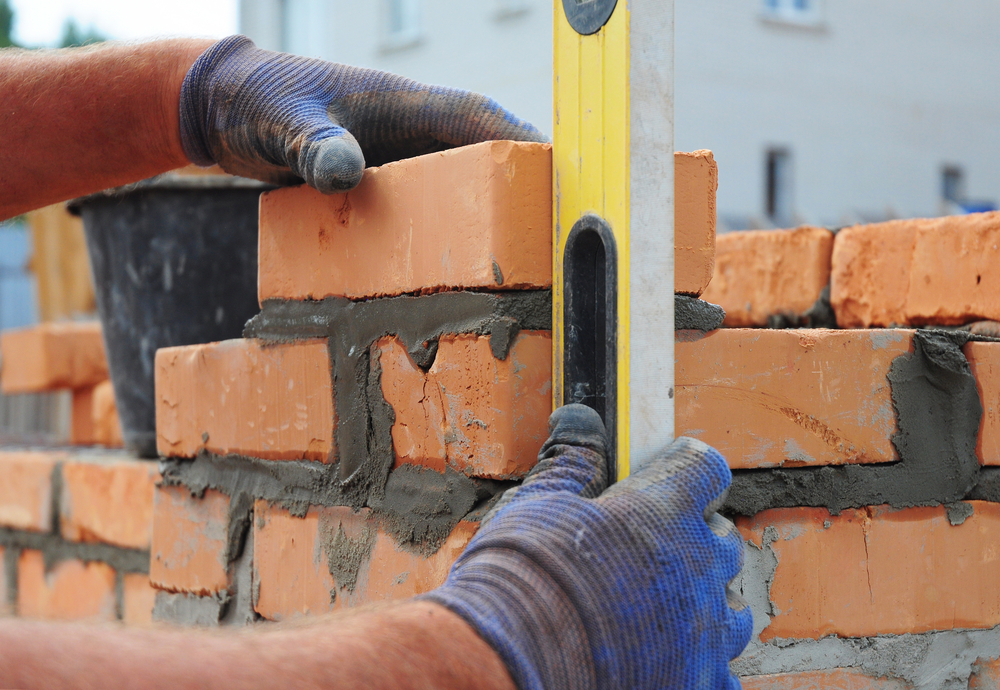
x=55 y=550
x=695 y=314
x=938 y=413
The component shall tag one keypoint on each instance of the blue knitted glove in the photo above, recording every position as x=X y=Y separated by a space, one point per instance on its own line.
x=283 y=118
x=575 y=588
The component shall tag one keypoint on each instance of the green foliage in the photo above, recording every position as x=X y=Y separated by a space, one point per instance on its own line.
x=73 y=35
x=6 y=24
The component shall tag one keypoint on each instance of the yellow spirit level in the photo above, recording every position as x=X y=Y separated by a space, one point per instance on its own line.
x=613 y=217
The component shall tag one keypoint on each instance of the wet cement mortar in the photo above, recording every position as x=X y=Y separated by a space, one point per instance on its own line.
x=938 y=412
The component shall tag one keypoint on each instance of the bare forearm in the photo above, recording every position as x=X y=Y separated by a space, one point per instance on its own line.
x=80 y=120
x=409 y=646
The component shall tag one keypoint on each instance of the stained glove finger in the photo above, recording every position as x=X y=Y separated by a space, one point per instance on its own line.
x=739 y=629
x=573 y=459
x=333 y=163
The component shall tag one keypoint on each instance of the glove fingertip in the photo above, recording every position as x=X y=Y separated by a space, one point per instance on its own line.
x=337 y=165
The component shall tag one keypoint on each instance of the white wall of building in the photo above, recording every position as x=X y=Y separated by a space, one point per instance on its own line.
x=870 y=99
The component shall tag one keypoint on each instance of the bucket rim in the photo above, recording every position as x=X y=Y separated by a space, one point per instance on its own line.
x=173 y=182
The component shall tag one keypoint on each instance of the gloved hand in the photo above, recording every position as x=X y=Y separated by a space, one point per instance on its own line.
x=575 y=588
x=283 y=118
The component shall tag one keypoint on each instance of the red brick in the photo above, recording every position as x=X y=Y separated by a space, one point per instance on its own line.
x=138 y=599
x=987 y=675
x=81 y=430
x=107 y=426
x=984 y=360
x=876 y=571
x=480 y=415
x=769 y=272
x=696 y=180
x=52 y=356
x=914 y=272
x=189 y=541
x=835 y=679
x=766 y=398
x=108 y=500
x=394 y=572
x=476 y=217
x=72 y=590
x=26 y=489
x=4 y=589
x=273 y=402
x=291 y=560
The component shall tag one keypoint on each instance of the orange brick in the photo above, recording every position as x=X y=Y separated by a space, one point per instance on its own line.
x=52 y=356
x=696 y=180
x=291 y=560
x=108 y=500
x=766 y=398
x=876 y=571
x=767 y=272
x=189 y=541
x=4 y=589
x=472 y=217
x=72 y=590
x=987 y=675
x=138 y=599
x=835 y=679
x=927 y=271
x=394 y=572
x=482 y=416
x=984 y=360
x=107 y=426
x=81 y=432
x=26 y=489
x=239 y=396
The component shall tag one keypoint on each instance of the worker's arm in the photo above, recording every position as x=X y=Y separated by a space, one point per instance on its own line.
x=411 y=645
x=79 y=120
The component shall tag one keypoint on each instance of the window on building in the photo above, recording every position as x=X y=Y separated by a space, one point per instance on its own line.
x=403 y=21
x=778 y=174
x=952 y=184
x=793 y=11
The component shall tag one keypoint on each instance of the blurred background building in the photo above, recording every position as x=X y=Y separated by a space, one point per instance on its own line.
x=827 y=112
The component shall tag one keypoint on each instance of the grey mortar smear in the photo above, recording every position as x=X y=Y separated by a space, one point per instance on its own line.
x=938 y=413
x=364 y=419
x=56 y=549
x=819 y=315
x=418 y=507
x=694 y=314
x=930 y=661
x=190 y=609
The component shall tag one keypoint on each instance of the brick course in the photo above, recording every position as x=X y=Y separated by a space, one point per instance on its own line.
x=482 y=416
x=696 y=181
x=766 y=398
x=769 y=272
x=835 y=679
x=109 y=501
x=877 y=571
x=189 y=541
x=915 y=272
x=239 y=396
x=52 y=356
x=26 y=489
x=476 y=217
x=71 y=590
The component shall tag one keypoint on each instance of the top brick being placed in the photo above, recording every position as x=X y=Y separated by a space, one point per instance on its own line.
x=473 y=218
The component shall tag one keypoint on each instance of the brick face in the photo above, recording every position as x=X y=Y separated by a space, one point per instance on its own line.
x=480 y=415
x=138 y=598
x=696 y=180
x=987 y=675
x=52 y=356
x=835 y=679
x=272 y=402
x=766 y=272
x=766 y=398
x=108 y=501
x=72 y=590
x=473 y=217
x=189 y=541
x=984 y=360
x=291 y=559
x=915 y=272
x=107 y=426
x=877 y=571
x=26 y=489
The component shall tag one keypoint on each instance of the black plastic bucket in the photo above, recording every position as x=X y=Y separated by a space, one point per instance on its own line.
x=174 y=261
